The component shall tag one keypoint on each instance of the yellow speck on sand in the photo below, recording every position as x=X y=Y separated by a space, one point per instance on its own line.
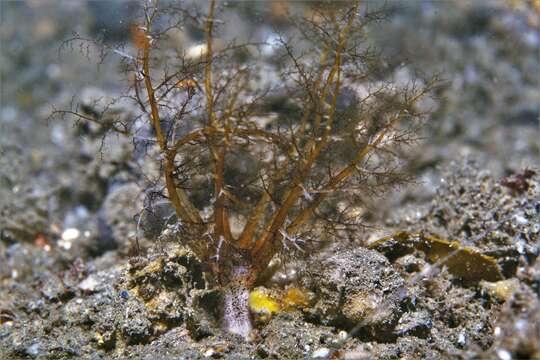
x=99 y=339
x=260 y=301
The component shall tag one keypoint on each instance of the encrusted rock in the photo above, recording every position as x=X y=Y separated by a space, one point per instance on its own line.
x=357 y=289
x=288 y=337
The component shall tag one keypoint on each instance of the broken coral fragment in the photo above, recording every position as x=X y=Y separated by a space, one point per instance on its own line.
x=463 y=262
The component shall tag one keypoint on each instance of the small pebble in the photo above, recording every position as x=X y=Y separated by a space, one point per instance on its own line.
x=70 y=234
x=321 y=353
x=65 y=244
x=33 y=350
x=504 y=354
x=89 y=284
x=209 y=353
x=520 y=219
x=461 y=339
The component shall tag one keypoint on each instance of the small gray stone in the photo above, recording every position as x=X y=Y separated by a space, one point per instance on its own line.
x=321 y=353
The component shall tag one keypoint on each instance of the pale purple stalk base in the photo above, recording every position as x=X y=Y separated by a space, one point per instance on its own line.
x=236 y=318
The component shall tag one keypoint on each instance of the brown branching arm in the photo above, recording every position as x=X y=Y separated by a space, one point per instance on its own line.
x=183 y=207
x=346 y=172
x=217 y=147
x=265 y=251
x=109 y=126
x=265 y=246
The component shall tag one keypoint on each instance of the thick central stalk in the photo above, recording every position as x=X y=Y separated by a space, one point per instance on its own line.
x=235 y=313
